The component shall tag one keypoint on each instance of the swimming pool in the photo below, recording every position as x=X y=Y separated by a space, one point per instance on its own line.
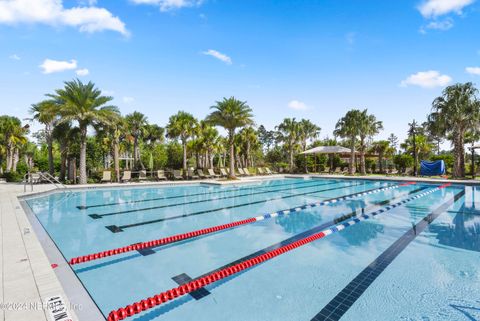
x=389 y=250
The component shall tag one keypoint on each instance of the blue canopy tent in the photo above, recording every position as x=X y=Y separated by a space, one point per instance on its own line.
x=434 y=168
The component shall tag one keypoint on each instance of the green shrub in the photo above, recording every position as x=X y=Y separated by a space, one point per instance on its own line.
x=13 y=177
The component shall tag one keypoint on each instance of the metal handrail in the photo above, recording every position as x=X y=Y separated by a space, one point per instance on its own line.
x=44 y=176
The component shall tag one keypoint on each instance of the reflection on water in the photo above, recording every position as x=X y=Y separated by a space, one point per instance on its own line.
x=463 y=232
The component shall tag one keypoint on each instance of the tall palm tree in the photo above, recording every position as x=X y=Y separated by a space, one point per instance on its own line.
x=308 y=131
x=348 y=127
x=84 y=104
x=382 y=148
x=182 y=125
x=137 y=123
x=289 y=133
x=249 y=138
x=368 y=127
x=231 y=114
x=114 y=131
x=62 y=132
x=13 y=137
x=46 y=112
x=454 y=113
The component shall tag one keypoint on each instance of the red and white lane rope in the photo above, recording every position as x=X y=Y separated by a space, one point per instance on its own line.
x=213 y=229
x=161 y=298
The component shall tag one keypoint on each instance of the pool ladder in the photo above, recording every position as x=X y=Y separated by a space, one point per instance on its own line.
x=42 y=176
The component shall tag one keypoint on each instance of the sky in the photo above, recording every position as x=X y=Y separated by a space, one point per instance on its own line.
x=313 y=59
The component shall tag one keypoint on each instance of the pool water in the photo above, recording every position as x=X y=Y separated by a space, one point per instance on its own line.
x=405 y=272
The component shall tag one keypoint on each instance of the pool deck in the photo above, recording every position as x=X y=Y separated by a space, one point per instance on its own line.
x=27 y=275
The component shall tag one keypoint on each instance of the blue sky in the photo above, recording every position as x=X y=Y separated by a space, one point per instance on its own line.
x=304 y=59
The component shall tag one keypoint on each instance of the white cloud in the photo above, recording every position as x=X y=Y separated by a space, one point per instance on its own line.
x=297 y=105
x=52 y=12
x=442 y=25
x=473 y=70
x=166 y=5
x=50 y=66
x=14 y=57
x=427 y=79
x=128 y=100
x=435 y=8
x=226 y=59
x=82 y=72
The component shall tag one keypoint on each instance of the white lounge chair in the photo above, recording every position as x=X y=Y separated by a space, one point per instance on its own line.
x=127 y=176
x=202 y=174
x=212 y=173
x=177 y=175
x=106 y=177
x=161 y=175
x=223 y=172
x=191 y=174
x=142 y=175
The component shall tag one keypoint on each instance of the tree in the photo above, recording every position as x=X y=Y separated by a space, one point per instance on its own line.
x=13 y=136
x=86 y=105
x=115 y=130
x=265 y=137
x=182 y=125
x=348 y=127
x=393 y=139
x=368 y=127
x=289 y=134
x=382 y=148
x=136 y=123
x=46 y=113
x=248 y=138
x=231 y=114
x=308 y=131
x=454 y=113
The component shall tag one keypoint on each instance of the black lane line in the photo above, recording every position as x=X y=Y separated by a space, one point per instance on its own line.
x=117 y=229
x=97 y=216
x=184 y=278
x=335 y=221
x=84 y=207
x=297 y=237
x=340 y=304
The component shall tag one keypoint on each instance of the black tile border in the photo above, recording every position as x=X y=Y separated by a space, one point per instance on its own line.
x=340 y=304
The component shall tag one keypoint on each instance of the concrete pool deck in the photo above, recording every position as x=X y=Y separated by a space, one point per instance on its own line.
x=27 y=275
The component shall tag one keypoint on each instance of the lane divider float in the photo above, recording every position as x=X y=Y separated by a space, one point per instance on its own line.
x=217 y=228
x=161 y=298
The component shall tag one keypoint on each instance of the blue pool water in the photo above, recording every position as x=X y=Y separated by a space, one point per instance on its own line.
x=435 y=275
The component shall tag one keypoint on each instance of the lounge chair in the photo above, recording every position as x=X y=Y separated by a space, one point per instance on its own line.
x=127 y=176
x=268 y=171
x=161 y=175
x=177 y=175
x=202 y=174
x=393 y=171
x=241 y=172
x=247 y=172
x=142 y=175
x=212 y=173
x=260 y=171
x=106 y=177
x=191 y=174
x=338 y=170
x=223 y=172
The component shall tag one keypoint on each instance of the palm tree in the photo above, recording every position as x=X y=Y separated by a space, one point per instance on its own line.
x=454 y=113
x=289 y=133
x=13 y=137
x=114 y=131
x=231 y=114
x=308 y=131
x=84 y=104
x=137 y=123
x=382 y=148
x=348 y=127
x=368 y=127
x=420 y=148
x=62 y=132
x=46 y=113
x=248 y=136
x=182 y=125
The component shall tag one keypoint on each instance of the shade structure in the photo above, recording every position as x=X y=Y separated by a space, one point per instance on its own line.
x=328 y=150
